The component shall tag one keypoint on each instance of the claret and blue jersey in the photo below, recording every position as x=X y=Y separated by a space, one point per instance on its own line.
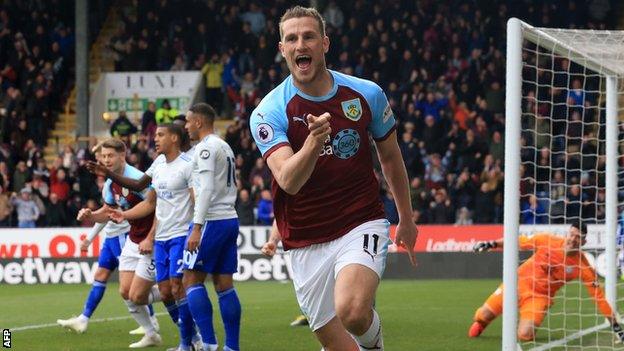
x=343 y=181
x=118 y=196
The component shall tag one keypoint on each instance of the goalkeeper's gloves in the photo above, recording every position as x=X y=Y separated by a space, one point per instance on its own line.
x=617 y=329
x=484 y=246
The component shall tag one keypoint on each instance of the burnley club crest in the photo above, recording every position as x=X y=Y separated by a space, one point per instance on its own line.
x=352 y=109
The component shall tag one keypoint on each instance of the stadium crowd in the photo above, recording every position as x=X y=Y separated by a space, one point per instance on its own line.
x=441 y=65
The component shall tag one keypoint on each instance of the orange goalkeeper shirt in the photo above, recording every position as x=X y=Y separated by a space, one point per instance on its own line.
x=550 y=268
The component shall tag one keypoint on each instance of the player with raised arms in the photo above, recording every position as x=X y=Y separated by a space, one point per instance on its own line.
x=313 y=130
x=556 y=260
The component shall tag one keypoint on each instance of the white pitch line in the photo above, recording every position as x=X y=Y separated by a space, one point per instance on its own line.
x=576 y=335
x=99 y=320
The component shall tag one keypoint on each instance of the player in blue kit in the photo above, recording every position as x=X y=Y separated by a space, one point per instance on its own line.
x=211 y=246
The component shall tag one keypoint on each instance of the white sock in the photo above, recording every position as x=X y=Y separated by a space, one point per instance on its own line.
x=154 y=295
x=140 y=313
x=83 y=318
x=372 y=339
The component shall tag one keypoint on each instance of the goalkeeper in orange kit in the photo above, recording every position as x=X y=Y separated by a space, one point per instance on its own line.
x=555 y=261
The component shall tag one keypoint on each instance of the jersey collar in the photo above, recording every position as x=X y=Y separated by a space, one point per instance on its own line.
x=325 y=97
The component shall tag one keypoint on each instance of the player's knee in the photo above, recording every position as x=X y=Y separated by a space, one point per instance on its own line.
x=102 y=275
x=222 y=284
x=354 y=315
x=138 y=298
x=176 y=290
x=484 y=315
x=125 y=294
x=526 y=333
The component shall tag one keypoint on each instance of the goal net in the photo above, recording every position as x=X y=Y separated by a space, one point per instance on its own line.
x=562 y=154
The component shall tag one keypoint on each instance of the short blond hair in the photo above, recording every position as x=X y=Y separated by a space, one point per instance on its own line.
x=300 y=11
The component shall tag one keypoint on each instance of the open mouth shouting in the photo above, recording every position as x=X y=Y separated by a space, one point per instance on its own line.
x=303 y=62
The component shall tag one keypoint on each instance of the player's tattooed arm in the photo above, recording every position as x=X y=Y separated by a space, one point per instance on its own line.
x=292 y=170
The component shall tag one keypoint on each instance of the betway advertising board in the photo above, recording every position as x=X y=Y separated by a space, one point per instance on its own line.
x=52 y=255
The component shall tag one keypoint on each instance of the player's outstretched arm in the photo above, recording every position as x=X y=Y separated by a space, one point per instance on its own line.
x=394 y=171
x=590 y=279
x=142 y=209
x=292 y=170
x=97 y=228
x=100 y=216
x=132 y=184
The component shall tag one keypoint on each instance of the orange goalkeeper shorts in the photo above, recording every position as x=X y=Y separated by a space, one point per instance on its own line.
x=531 y=307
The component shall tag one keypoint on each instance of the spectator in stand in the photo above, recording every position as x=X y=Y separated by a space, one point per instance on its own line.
x=148 y=121
x=165 y=114
x=122 y=127
x=440 y=209
x=59 y=185
x=265 y=208
x=27 y=209
x=532 y=211
x=463 y=217
x=20 y=177
x=6 y=209
x=245 y=208
x=213 y=71
x=55 y=212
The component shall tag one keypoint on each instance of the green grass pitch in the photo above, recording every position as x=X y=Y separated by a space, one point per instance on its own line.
x=416 y=315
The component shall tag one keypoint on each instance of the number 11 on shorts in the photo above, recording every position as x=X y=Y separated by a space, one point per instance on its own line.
x=375 y=242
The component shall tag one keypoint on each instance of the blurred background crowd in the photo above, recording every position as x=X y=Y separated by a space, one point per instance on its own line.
x=441 y=65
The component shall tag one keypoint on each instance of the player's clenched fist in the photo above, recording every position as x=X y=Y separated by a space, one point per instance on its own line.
x=84 y=214
x=269 y=248
x=319 y=126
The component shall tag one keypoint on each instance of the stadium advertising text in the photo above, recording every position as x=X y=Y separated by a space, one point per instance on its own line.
x=52 y=255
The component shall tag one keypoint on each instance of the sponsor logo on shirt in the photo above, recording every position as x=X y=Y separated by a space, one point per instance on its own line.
x=387 y=113
x=300 y=119
x=346 y=143
x=264 y=133
x=204 y=154
x=352 y=109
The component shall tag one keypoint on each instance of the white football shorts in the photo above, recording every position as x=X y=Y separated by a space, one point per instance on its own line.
x=132 y=260
x=316 y=267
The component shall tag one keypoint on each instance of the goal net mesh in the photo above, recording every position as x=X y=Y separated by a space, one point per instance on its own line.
x=563 y=171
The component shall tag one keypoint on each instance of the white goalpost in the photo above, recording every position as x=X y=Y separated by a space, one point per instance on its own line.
x=562 y=143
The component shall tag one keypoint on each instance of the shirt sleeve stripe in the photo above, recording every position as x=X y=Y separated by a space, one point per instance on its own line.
x=273 y=149
x=387 y=134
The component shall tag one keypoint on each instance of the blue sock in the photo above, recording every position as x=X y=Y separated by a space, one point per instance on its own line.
x=201 y=309
x=231 y=315
x=172 y=308
x=151 y=310
x=185 y=323
x=95 y=296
